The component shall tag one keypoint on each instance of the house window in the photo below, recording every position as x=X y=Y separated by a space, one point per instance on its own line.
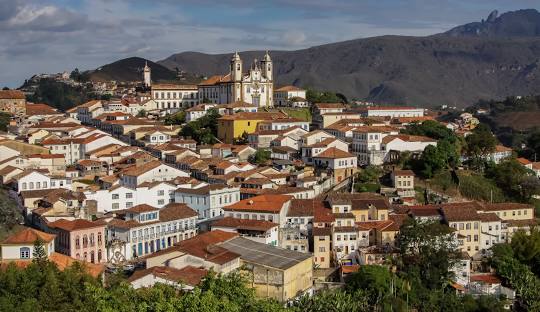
x=25 y=253
x=115 y=196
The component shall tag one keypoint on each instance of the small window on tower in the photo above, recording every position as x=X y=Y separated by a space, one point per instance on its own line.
x=237 y=66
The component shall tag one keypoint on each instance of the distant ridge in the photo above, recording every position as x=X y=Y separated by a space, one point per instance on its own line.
x=491 y=59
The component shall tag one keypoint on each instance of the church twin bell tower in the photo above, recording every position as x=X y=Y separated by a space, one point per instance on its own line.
x=255 y=86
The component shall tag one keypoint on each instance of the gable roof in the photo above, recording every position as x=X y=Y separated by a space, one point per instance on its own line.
x=334 y=153
x=263 y=203
x=28 y=236
x=74 y=225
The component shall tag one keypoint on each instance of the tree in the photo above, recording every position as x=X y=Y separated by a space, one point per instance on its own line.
x=375 y=280
x=514 y=179
x=142 y=113
x=39 y=254
x=242 y=139
x=433 y=161
x=5 y=88
x=370 y=174
x=260 y=157
x=480 y=143
x=314 y=96
x=428 y=252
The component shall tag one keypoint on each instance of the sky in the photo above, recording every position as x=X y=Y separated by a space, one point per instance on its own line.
x=49 y=36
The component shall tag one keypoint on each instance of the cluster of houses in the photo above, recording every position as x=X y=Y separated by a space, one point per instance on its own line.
x=107 y=185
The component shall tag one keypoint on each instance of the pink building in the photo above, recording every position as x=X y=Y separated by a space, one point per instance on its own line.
x=80 y=239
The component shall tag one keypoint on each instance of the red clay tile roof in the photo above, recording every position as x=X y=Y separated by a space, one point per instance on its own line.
x=262 y=203
x=489 y=217
x=505 y=206
x=40 y=109
x=461 y=211
x=74 y=225
x=176 y=211
x=244 y=224
x=334 y=153
x=403 y=173
x=524 y=161
x=407 y=138
x=12 y=94
x=318 y=231
x=189 y=275
x=204 y=246
x=141 y=208
x=288 y=88
x=486 y=278
x=62 y=262
x=28 y=236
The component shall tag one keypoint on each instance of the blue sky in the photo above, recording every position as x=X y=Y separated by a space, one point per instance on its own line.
x=56 y=35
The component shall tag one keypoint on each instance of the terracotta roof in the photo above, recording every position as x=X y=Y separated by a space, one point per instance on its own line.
x=204 y=246
x=189 y=275
x=40 y=109
x=262 y=203
x=46 y=156
x=486 y=278
x=368 y=225
x=202 y=190
x=244 y=224
x=334 y=153
x=28 y=236
x=211 y=81
x=138 y=170
x=407 y=138
x=12 y=94
x=505 y=206
x=346 y=269
x=391 y=108
x=489 y=217
x=460 y=211
x=62 y=262
x=74 y=225
x=172 y=86
x=288 y=88
x=141 y=208
x=176 y=211
x=318 y=231
x=524 y=161
x=253 y=116
x=501 y=148
x=329 y=105
x=403 y=173
x=375 y=129
x=303 y=207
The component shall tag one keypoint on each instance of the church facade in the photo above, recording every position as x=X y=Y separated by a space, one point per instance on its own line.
x=256 y=86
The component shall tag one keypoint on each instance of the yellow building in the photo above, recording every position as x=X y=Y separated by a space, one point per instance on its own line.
x=322 y=247
x=234 y=126
x=281 y=274
x=464 y=218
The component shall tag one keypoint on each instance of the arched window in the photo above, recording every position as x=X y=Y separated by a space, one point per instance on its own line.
x=92 y=240
x=25 y=253
x=31 y=185
x=85 y=257
x=78 y=256
x=85 y=241
x=77 y=242
x=92 y=259
x=24 y=186
x=99 y=255
x=99 y=238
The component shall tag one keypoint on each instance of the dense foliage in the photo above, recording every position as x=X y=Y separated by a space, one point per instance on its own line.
x=175 y=119
x=204 y=129
x=314 y=96
x=261 y=157
x=480 y=143
x=420 y=283
x=519 y=265
x=4 y=121
x=10 y=215
x=434 y=159
x=61 y=95
x=518 y=182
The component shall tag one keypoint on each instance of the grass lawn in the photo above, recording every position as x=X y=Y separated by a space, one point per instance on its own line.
x=300 y=113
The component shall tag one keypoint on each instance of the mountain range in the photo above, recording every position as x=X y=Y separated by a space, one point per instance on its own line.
x=490 y=59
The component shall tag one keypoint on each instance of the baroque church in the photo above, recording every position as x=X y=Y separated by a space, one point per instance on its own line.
x=256 y=86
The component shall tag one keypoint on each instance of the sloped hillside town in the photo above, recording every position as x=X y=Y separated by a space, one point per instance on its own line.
x=240 y=181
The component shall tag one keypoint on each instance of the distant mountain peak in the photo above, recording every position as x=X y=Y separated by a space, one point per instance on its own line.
x=521 y=23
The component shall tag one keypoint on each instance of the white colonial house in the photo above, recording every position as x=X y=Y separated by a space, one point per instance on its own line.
x=208 y=200
x=173 y=97
x=286 y=95
x=260 y=231
x=150 y=172
x=143 y=230
x=393 y=111
x=34 y=180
